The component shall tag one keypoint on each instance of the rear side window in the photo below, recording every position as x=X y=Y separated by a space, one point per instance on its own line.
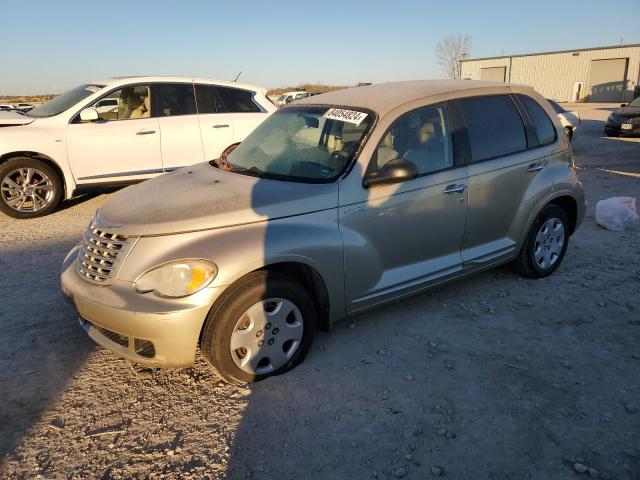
x=494 y=126
x=236 y=100
x=175 y=99
x=545 y=130
x=207 y=100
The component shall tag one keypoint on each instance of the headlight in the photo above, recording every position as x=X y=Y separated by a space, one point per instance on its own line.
x=177 y=279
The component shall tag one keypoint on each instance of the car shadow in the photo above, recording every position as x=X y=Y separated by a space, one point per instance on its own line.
x=41 y=345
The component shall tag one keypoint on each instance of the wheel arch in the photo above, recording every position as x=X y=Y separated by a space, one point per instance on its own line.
x=68 y=188
x=570 y=207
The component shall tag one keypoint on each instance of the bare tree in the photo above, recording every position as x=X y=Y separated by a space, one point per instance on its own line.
x=450 y=50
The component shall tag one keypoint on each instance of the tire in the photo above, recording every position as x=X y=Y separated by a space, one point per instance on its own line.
x=20 y=201
x=231 y=316
x=540 y=254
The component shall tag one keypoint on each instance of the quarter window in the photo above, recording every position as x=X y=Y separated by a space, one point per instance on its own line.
x=494 y=126
x=421 y=136
x=236 y=100
x=545 y=130
x=124 y=104
x=175 y=99
x=207 y=100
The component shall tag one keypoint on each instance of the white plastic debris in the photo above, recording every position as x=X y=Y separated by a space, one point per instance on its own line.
x=617 y=213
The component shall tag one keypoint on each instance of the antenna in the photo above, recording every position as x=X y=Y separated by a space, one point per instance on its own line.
x=238 y=76
x=622 y=39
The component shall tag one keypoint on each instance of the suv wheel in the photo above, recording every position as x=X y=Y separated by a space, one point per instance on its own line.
x=262 y=326
x=29 y=188
x=545 y=244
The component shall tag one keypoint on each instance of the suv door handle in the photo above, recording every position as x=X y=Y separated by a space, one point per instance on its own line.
x=146 y=132
x=535 y=167
x=221 y=125
x=455 y=188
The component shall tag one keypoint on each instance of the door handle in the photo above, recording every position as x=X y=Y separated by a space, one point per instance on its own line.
x=146 y=132
x=221 y=125
x=535 y=167
x=455 y=189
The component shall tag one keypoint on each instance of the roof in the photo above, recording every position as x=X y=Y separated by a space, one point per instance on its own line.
x=383 y=97
x=153 y=78
x=630 y=45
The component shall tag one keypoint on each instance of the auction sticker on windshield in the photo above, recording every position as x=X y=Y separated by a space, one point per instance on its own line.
x=349 y=116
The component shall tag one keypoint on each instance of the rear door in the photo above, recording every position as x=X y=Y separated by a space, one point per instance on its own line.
x=216 y=125
x=242 y=110
x=180 y=139
x=505 y=161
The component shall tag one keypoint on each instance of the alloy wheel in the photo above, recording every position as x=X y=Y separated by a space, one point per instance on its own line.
x=27 y=189
x=549 y=243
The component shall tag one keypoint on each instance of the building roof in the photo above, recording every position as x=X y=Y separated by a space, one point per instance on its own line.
x=630 y=45
x=383 y=97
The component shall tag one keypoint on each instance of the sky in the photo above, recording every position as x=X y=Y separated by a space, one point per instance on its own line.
x=49 y=46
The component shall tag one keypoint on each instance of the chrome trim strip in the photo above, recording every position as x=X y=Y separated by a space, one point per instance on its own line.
x=123 y=174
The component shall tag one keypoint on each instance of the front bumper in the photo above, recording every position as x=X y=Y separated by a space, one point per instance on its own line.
x=126 y=322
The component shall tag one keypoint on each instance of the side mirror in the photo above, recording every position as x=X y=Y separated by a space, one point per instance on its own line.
x=394 y=171
x=89 y=115
x=622 y=105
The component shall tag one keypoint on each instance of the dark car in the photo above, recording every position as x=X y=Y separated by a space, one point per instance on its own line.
x=624 y=121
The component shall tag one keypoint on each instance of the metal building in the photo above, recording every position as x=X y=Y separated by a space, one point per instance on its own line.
x=604 y=74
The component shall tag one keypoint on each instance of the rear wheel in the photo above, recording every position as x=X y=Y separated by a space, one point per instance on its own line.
x=29 y=188
x=545 y=244
x=262 y=326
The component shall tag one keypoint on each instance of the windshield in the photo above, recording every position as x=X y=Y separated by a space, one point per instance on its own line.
x=635 y=103
x=62 y=102
x=304 y=144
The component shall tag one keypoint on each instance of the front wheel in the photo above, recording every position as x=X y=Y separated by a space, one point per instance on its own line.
x=545 y=244
x=262 y=326
x=29 y=188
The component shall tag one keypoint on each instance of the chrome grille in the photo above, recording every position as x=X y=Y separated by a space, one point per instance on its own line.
x=99 y=255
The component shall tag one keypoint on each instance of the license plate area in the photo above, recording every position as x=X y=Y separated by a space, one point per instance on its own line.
x=626 y=126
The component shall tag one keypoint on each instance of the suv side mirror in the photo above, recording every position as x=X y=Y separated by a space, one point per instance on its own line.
x=394 y=171
x=89 y=115
x=622 y=105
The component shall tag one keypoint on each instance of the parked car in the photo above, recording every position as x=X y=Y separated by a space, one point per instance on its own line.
x=569 y=119
x=289 y=97
x=79 y=140
x=6 y=106
x=332 y=206
x=624 y=121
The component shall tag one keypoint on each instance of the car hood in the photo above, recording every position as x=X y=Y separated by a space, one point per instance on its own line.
x=202 y=197
x=14 y=118
x=628 y=112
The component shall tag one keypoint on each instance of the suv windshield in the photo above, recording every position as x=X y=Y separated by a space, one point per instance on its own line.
x=304 y=144
x=635 y=103
x=62 y=102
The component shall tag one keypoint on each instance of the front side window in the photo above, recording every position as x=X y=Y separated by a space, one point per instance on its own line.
x=421 y=136
x=125 y=104
x=308 y=144
x=545 y=130
x=494 y=126
x=556 y=106
x=175 y=99
x=62 y=102
x=236 y=100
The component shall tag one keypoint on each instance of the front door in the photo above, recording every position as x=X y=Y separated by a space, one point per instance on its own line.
x=216 y=125
x=124 y=144
x=400 y=238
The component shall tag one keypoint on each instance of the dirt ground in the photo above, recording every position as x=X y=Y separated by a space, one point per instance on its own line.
x=491 y=377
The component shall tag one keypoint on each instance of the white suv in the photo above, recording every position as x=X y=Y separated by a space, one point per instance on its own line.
x=119 y=131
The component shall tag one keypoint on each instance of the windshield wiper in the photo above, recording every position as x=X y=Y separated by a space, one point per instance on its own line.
x=253 y=171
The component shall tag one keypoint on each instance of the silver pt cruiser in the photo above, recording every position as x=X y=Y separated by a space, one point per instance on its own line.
x=335 y=204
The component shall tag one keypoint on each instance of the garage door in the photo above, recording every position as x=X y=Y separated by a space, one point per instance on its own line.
x=493 y=74
x=608 y=80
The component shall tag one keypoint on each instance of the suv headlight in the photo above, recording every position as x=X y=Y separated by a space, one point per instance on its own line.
x=177 y=279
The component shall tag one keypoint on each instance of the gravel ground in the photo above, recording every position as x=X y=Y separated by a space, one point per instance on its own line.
x=491 y=377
